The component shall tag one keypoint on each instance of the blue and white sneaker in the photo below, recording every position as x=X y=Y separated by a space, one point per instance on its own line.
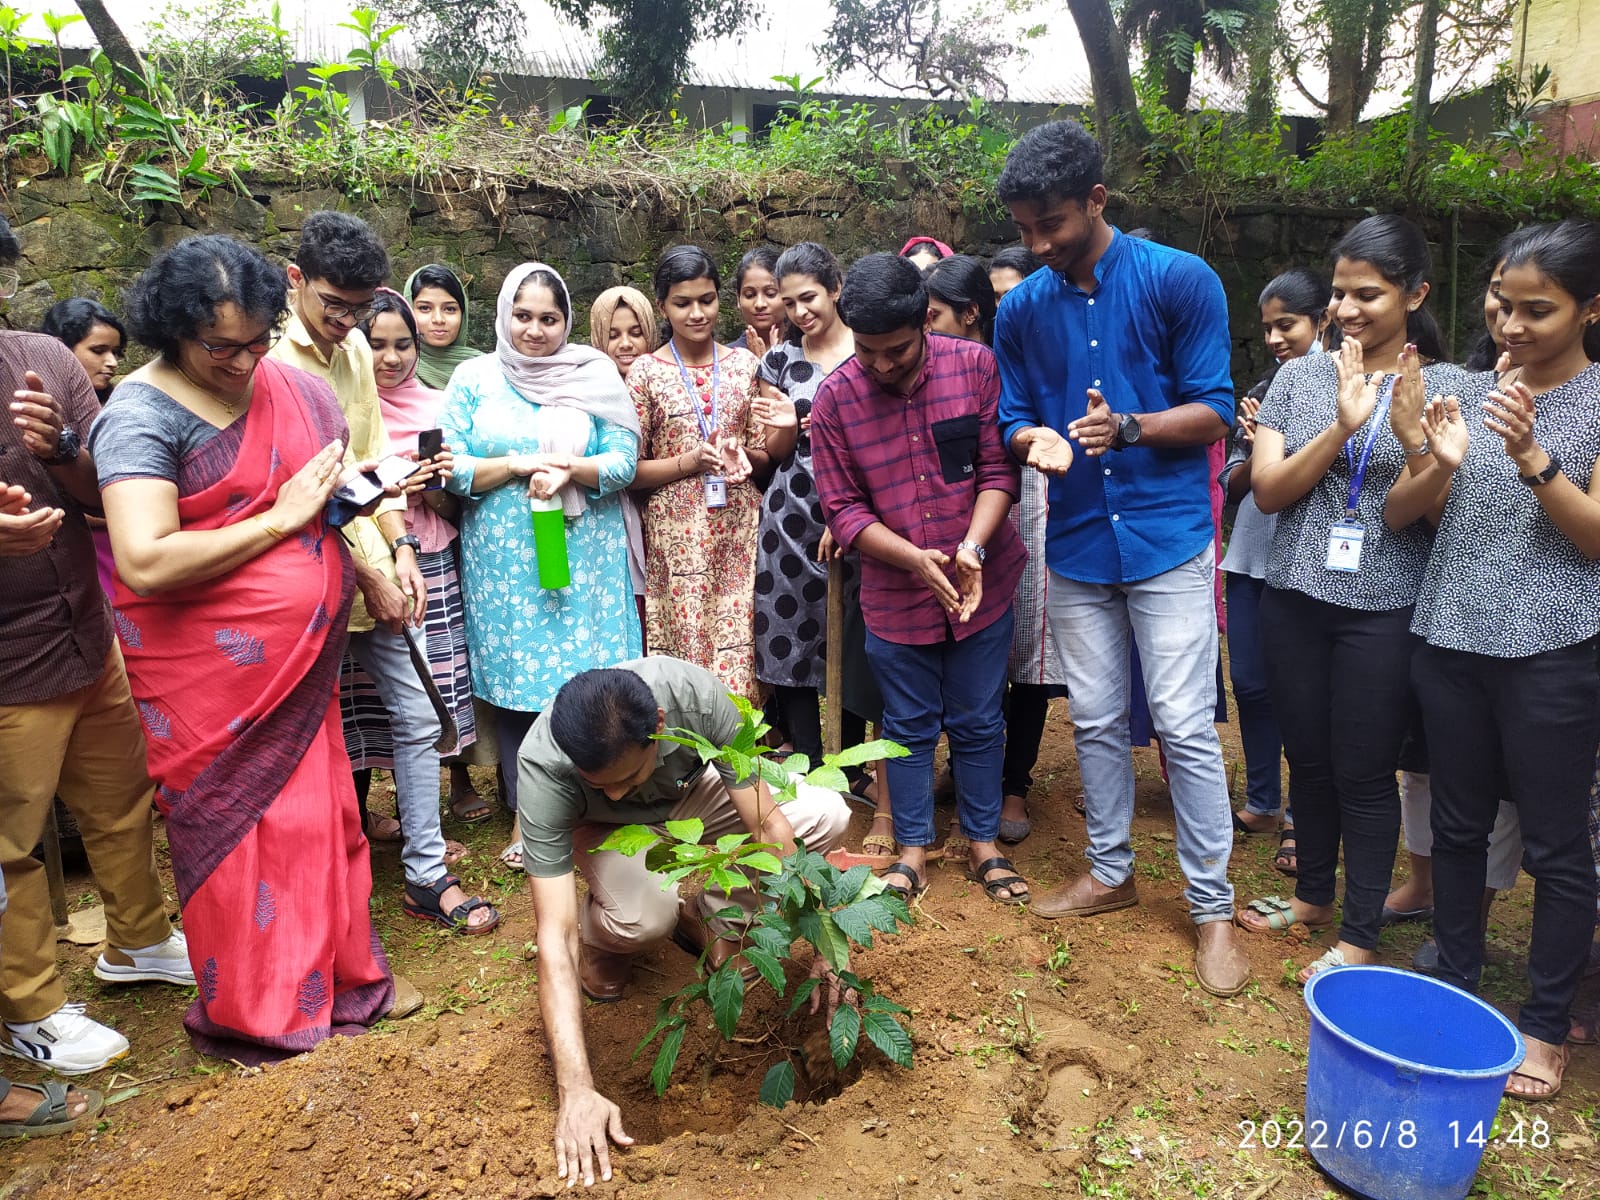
x=66 y=1042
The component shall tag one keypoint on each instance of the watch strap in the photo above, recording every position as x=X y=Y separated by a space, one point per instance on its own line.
x=1545 y=476
x=975 y=547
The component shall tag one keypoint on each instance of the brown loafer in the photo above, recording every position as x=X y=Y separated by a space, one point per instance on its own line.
x=602 y=974
x=691 y=935
x=1219 y=963
x=1083 y=897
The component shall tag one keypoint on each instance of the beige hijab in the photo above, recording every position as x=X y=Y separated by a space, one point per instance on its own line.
x=603 y=314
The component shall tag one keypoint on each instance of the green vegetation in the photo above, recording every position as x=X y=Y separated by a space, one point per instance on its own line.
x=187 y=124
x=804 y=899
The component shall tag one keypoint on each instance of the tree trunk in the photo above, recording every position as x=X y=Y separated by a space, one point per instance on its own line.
x=1176 y=84
x=1344 y=75
x=1421 y=88
x=110 y=36
x=1116 y=106
x=1261 y=94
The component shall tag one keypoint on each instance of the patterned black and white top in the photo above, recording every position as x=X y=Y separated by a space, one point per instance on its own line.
x=791 y=585
x=1503 y=580
x=1300 y=404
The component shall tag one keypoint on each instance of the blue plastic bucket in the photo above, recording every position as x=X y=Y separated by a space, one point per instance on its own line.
x=1404 y=1076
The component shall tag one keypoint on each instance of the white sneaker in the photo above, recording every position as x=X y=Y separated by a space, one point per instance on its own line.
x=66 y=1042
x=165 y=962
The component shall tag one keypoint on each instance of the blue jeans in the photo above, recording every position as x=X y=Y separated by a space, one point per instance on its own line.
x=384 y=657
x=957 y=687
x=1258 y=726
x=1174 y=616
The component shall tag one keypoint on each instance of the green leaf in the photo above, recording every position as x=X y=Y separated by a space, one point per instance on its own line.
x=662 y=856
x=876 y=1003
x=834 y=945
x=731 y=841
x=688 y=737
x=665 y=1019
x=773 y=941
x=629 y=840
x=829 y=777
x=777 y=1089
x=690 y=830
x=846 y=887
x=761 y=860
x=724 y=880
x=152 y=183
x=796 y=764
x=853 y=923
x=731 y=913
x=803 y=993
x=769 y=966
x=666 y=1059
x=887 y=1035
x=879 y=911
x=742 y=765
x=855 y=756
x=843 y=1033
x=726 y=986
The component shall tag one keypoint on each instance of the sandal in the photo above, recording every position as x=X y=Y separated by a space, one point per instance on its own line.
x=1276 y=915
x=512 y=854
x=993 y=887
x=422 y=901
x=1549 y=1076
x=1584 y=1026
x=1401 y=916
x=1328 y=962
x=50 y=1117
x=1249 y=830
x=1286 y=860
x=384 y=829
x=908 y=894
x=454 y=852
x=469 y=808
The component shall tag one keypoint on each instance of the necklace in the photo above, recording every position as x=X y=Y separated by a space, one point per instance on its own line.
x=231 y=407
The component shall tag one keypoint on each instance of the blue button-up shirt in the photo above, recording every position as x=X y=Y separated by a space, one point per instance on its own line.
x=1152 y=335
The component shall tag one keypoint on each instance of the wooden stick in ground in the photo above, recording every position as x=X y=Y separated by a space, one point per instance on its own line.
x=833 y=679
x=55 y=874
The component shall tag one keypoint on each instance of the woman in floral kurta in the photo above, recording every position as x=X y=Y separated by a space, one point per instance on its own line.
x=507 y=416
x=699 y=561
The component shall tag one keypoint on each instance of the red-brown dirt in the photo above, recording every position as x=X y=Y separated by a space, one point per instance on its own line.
x=1078 y=1057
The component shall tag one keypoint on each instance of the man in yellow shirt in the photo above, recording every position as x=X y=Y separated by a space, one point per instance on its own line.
x=338 y=267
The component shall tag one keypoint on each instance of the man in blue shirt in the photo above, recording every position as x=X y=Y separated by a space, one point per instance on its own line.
x=1114 y=363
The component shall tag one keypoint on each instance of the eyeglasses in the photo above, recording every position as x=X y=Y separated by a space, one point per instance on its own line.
x=338 y=309
x=9 y=282
x=228 y=350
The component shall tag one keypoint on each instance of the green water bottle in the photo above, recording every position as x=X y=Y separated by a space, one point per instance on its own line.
x=550 y=543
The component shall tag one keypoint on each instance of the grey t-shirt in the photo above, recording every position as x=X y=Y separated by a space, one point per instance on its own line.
x=1503 y=580
x=1300 y=404
x=145 y=434
x=553 y=799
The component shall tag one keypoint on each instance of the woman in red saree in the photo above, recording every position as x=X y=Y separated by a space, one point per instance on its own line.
x=231 y=600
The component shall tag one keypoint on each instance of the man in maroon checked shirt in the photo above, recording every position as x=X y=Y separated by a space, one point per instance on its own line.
x=912 y=473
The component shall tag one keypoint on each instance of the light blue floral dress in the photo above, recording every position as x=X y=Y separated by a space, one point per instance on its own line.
x=530 y=641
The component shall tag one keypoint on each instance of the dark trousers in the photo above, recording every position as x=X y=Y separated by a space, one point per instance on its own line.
x=1258 y=724
x=1525 y=727
x=957 y=686
x=510 y=727
x=1027 y=706
x=797 y=713
x=1340 y=682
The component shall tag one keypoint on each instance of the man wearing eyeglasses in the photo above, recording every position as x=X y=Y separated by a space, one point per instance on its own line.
x=337 y=270
x=68 y=724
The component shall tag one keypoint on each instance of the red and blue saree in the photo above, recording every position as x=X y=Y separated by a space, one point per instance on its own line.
x=236 y=679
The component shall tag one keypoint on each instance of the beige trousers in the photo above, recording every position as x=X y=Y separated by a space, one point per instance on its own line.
x=628 y=909
x=88 y=747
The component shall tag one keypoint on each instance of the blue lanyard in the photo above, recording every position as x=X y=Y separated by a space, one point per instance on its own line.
x=694 y=396
x=1358 y=469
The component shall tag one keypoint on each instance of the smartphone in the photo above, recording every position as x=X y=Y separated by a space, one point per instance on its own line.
x=362 y=489
x=429 y=443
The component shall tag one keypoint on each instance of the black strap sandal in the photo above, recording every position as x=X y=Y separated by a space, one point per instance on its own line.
x=423 y=901
x=992 y=886
x=1286 y=860
x=907 y=894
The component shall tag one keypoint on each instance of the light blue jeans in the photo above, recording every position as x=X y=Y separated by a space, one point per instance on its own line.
x=384 y=657
x=1174 y=617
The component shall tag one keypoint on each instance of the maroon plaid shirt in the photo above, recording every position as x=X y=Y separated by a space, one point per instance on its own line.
x=916 y=463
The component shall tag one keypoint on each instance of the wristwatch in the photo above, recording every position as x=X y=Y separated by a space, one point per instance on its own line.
x=1128 y=432
x=68 y=447
x=1544 y=476
x=975 y=547
x=409 y=539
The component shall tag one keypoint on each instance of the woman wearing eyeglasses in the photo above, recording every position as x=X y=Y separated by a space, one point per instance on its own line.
x=232 y=598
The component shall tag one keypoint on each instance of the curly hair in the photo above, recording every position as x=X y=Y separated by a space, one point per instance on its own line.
x=71 y=321
x=1059 y=160
x=883 y=293
x=179 y=293
x=341 y=250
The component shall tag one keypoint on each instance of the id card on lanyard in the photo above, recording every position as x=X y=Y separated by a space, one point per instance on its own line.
x=1347 y=536
x=705 y=415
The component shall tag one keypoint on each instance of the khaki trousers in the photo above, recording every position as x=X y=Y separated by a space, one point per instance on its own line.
x=88 y=747
x=628 y=909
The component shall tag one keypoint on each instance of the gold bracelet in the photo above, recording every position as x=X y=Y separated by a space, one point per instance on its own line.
x=276 y=534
